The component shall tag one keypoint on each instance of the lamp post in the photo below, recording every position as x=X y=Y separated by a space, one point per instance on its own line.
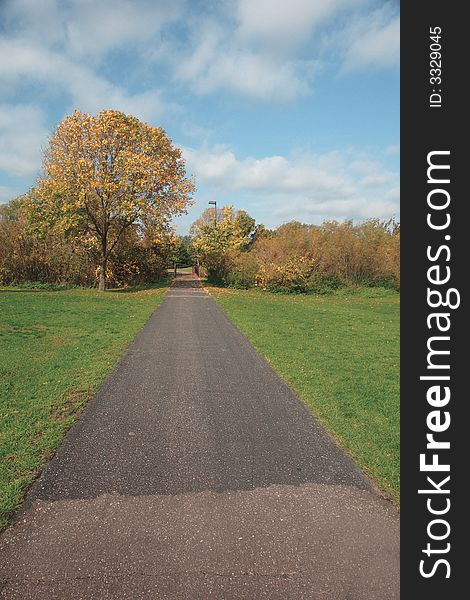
x=214 y=202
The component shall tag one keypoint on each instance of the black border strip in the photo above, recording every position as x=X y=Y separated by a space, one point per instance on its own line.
x=427 y=127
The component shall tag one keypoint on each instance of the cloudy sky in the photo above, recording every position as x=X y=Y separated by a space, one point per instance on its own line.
x=286 y=108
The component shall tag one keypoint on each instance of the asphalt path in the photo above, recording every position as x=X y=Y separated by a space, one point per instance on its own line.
x=195 y=472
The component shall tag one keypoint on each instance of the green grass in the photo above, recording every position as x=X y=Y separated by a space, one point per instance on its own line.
x=56 y=347
x=340 y=353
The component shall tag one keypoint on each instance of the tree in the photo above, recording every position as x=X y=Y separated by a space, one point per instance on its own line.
x=215 y=242
x=260 y=233
x=209 y=216
x=245 y=227
x=107 y=173
x=181 y=251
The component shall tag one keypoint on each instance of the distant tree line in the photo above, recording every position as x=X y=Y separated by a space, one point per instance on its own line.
x=231 y=250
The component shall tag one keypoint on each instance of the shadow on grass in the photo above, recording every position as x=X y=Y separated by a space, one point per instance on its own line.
x=165 y=282
x=17 y=290
x=359 y=291
x=141 y=288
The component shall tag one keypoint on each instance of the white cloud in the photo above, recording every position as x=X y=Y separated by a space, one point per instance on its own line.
x=87 y=90
x=58 y=45
x=86 y=28
x=22 y=135
x=251 y=75
x=306 y=187
x=370 y=40
x=262 y=49
x=392 y=150
x=377 y=47
x=286 y=24
x=272 y=51
x=41 y=21
x=218 y=60
x=252 y=48
x=98 y=27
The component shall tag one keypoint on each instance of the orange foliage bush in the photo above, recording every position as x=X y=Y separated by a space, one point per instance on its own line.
x=302 y=257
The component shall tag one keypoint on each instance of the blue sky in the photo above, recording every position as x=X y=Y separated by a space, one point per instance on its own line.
x=287 y=109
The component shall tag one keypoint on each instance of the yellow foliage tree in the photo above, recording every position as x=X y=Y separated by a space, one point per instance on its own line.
x=215 y=240
x=107 y=173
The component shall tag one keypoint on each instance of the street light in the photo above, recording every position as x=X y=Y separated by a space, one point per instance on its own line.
x=214 y=202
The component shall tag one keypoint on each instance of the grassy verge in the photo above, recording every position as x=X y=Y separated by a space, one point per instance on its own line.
x=56 y=347
x=340 y=353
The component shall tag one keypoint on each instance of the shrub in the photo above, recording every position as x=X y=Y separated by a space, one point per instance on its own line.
x=292 y=274
x=243 y=271
x=322 y=284
x=313 y=258
x=136 y=264
x=49 y=258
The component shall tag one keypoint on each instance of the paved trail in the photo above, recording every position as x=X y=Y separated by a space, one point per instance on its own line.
x=196 y=473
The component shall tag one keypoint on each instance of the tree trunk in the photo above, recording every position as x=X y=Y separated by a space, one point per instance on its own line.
x=102 y=282
x=104 y=259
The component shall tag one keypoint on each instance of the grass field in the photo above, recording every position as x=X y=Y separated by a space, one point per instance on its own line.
x=340 y=353
x=56 y=347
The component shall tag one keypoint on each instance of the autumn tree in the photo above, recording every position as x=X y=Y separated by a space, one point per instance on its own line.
x=105 y=174
x=215 y=242
x=181 y=251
